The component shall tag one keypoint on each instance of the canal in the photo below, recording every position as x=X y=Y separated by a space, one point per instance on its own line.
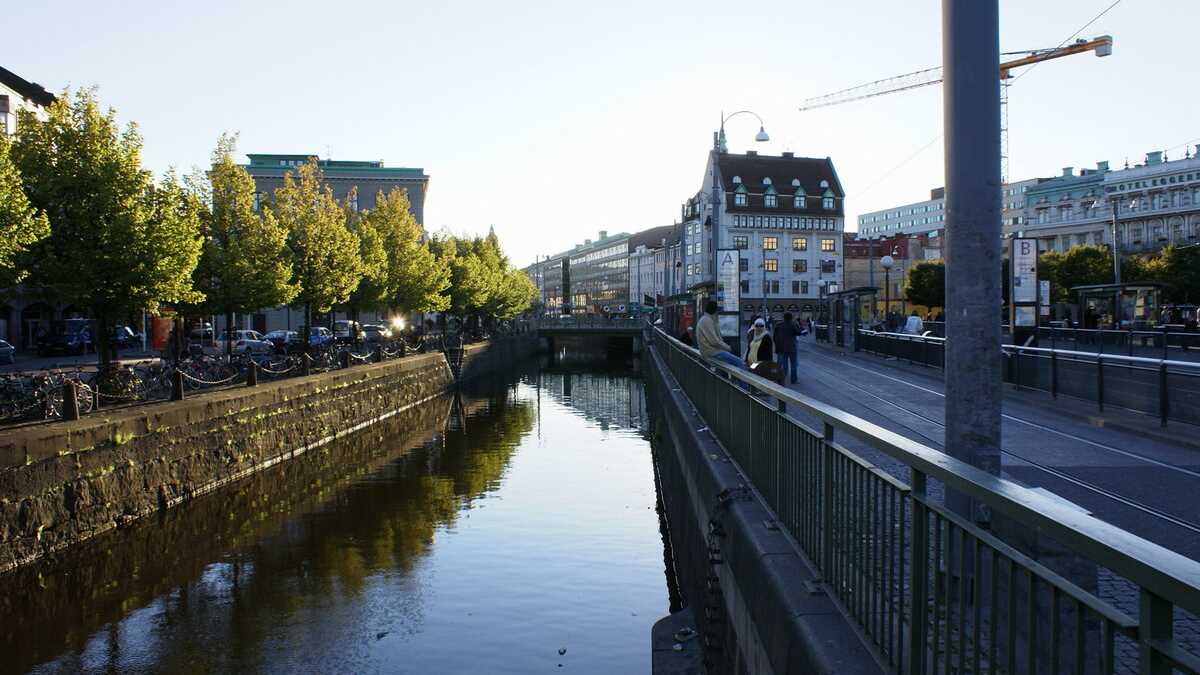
x=512 y=529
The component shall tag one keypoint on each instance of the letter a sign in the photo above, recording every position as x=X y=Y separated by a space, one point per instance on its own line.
x=729 y=286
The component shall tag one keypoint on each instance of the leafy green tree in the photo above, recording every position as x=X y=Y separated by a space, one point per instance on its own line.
x=1180 y=270
x=417 y=277
x=1081 y=265
x=927 y=283
x=325 y=253
x=513 y=294
x=374 y=290
x=245 y=263
x=20 y=223
x=118 y=243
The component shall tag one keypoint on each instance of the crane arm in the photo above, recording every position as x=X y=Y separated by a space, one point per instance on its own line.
x=923 y=78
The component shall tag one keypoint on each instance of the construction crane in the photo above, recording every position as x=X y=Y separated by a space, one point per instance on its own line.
x=923 y=78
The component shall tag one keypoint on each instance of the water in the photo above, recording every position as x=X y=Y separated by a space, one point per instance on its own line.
x=507 y=527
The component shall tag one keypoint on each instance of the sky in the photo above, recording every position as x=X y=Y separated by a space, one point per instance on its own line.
x=552 y=121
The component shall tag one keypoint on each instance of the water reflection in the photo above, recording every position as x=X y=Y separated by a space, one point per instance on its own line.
x=454 y=539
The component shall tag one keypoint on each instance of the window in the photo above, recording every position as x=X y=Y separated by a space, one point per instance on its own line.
x=828 y=266
x=771 y=243
x=774 y=283
x=799 y=266
x=795 y=288
x=746 y=287
x=743 y=264
x=257 y=201
x=741 y=241
x=739 y=199
x=827 y=203
x=771 y=265
x=804 y=287
x=769 y=201
x=828 y=245
x=798 y=201
x=799 y=244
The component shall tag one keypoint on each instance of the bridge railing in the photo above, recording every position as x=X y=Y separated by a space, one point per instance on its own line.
x=1166 y=388
x=589 y=322
x=930 y=591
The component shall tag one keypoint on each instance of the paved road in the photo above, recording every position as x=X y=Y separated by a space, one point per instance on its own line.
x=1149 y=486
x=28 y=362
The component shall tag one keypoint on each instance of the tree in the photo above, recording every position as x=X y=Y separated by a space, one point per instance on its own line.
x=245 y=263
x=514 y=294
x=1082 y=265
x=325 y=254
x=1180 y=269
x=927 y=284
x=417 y=278
x=374 y=289
x=20 y=223
x=118 y=243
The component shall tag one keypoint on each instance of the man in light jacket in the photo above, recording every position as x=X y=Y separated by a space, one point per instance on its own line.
x=708 y=338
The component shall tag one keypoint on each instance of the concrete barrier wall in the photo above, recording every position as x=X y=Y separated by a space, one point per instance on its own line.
x=65 y=482
x=758 y=605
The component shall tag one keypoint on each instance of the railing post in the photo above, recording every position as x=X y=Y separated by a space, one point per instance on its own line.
x=1053 y=373
x=919 y=576
x=1163 y=393
x=306 y=364
x=344 y=359
x=1100 y=381
x=827 y=503
x=70 y=400
x=177 y=385
x=252 y=374
x=1155 y=625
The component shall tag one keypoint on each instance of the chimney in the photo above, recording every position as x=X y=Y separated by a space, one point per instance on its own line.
x=751 y=153
x=1102 y=167
x=1154 y=157
x=1068 y=171
x=587 y=242
x=603 y=234
x=788 y=155
x=1197 y=153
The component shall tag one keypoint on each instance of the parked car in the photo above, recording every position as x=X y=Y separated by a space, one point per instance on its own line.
x=319 y=336
x=70 y=336
x=285 y=341
x=376 y=333
x=247 y=341
x=346 y=331
x=8 y=353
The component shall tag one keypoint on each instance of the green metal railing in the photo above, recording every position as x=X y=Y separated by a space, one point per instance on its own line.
x=930 y=592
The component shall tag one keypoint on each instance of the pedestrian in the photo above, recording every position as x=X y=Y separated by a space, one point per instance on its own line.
x=761 y=346
x=914 y=325
x=787 y=333
x=708 y=338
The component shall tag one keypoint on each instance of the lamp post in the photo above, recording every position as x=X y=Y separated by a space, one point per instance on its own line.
x=718 y=148
x=1116 y=244
x=886 y=263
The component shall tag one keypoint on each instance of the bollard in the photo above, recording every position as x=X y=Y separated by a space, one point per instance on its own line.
x=252 y=375
x=344 y=359
x=70 y=401
x=378 y=353
x=177 y=385
x=306 y=364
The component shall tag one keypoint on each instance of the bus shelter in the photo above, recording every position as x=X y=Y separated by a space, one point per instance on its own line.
x=1132 y=306
x=848 y=311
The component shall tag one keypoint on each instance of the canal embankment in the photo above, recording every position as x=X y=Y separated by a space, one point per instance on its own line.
x=65 y=482
x=759 y=606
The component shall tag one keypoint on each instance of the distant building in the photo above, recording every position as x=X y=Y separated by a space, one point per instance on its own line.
x=17 y=94
x=929 y=216
x=23 y=312
x=786 y=216
x=594 y=274
x=370 y=177
x=863 y=269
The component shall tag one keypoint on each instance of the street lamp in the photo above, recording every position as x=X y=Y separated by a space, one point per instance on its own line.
x=718 y=148
x=886 y=263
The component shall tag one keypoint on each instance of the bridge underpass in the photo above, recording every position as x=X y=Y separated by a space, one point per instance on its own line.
x=865 y=513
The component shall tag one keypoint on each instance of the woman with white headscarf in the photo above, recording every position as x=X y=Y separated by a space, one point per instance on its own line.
x=760 y=347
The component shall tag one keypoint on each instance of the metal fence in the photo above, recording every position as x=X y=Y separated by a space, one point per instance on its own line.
x=1165 y=388
x=930 y=592
x=588 y=322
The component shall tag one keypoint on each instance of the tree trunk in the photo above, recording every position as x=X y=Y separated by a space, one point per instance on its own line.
x=307 y=327
x=100 y=341
x=229 y=333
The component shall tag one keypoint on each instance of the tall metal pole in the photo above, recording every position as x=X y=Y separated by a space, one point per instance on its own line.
x=1116 y=244
x=971 y=100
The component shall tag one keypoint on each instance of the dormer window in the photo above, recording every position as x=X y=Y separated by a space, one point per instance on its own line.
x=799 y=200
x=766 y=181
x=769 y=201
x=827 y=203
x=824 y=184
x=737 y=180
x=796 y=182
x=739 y=195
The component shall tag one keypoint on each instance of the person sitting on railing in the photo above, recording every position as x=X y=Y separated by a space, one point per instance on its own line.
x=914 y=325
x=708 y=338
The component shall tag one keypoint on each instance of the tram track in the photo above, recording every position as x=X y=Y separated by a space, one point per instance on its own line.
x=1040 y=466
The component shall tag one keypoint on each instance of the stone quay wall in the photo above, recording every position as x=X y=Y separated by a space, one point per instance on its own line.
x=64 y=482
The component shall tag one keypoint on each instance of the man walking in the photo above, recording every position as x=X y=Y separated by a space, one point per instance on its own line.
x=708 y=338
x=786 y=334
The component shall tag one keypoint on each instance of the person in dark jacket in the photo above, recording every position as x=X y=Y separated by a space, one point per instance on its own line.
x=786 y=333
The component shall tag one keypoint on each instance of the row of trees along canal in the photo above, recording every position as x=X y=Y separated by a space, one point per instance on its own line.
x=83 y=222
x=1177 y=267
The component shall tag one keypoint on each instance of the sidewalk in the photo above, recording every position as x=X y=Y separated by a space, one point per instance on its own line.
x=26 y=361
